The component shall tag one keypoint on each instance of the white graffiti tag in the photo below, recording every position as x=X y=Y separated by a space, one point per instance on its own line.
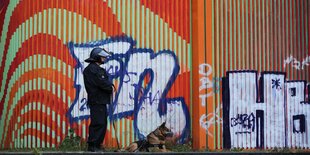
x=295 y=63
x=143 y=79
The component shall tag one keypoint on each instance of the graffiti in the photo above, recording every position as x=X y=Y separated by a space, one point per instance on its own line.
x=144 y=79
x=295 y=63
x=245 y=121
x=272 y=117
x=206 y=121
x=205 y=83
x=276 y=84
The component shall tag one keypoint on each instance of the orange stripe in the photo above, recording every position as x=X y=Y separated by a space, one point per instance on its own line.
x=36 y=133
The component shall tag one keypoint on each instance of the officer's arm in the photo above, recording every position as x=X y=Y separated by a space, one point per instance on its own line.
x=103 y=83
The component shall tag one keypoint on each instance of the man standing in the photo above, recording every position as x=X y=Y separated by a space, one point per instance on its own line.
x=99 y=90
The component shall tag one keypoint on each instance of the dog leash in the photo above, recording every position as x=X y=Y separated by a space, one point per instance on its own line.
x=113 y=122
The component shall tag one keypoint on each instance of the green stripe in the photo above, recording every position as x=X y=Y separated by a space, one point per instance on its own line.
x=74 y=27
x=60 y=15
x=264 y=38
x=161 y=47
x=183 y=43
x=30 y=26
x=170 y=37
x=142 y=27
x=128 y=18
x=268 y=36
x=222 y=41
x=16 y=75
x=123 y=18
x=291 y=36
x=259 y=36
x=138 y=7
x=274 y=55
x=239 y=52
x=179 y=51
x=119 y=135
x=226 y=38
x=49 y=15
x=175 y=44
x=147 y=17
x=217 y=57
x=119 y=11
x=152 y=30
x=54 y=22
x=190 y=63
x=84 y=23
x=301 y=32
x=230 y=36
x=6 y=22
x=166 y=35
x=65 y=25
x=235 y=32
x=243 y=35
x=156 y=33
x=247 y=54
x=133 y=19
x=306 y=35
x=70 y=26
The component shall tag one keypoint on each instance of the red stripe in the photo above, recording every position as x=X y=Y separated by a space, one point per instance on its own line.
x=28 y=98
x=21 y=9
x=3 y=8
x=35 y=132
x=26 y=50
x=175 y=12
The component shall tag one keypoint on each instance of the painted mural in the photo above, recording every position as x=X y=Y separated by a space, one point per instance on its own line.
x=142 y=86
x=234 y=36
x=221 y=73
x=43 y=47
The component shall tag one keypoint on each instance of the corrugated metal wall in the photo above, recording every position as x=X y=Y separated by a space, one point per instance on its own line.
x=43 y=47
x=261 y=35
x=234 y=35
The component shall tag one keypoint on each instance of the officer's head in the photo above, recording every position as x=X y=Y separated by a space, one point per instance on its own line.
x=97 y=55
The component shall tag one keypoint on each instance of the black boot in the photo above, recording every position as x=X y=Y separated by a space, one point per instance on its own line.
x=91 y=147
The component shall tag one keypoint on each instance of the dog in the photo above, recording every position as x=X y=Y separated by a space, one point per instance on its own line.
x=154 y=141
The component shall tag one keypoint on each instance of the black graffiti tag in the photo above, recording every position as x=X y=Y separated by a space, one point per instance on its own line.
x=246 y=121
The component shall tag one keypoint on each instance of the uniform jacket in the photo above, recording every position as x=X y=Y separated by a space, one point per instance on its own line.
x=97 y=84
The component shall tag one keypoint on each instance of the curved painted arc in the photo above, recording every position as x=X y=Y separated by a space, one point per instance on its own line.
x=18 y=125
x=13 y=47
x=52 y=132
x=31 y=73
x=7 y=21
x=18 y=7
x=19 y=98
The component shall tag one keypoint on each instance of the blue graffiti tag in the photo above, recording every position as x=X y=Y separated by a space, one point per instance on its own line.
x=142 y=82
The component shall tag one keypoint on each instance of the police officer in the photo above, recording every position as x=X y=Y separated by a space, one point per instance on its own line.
x=99 y=90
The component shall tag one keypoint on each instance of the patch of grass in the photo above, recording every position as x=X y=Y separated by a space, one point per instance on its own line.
x=72 y=143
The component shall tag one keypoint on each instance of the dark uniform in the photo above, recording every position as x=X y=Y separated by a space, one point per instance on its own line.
x=99 y=90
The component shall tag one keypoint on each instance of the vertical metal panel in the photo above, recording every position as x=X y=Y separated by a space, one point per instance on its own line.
x=262 y=35
x=43 y=47
x=249 y=35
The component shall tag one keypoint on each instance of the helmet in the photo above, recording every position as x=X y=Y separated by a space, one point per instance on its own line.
x=96 y=53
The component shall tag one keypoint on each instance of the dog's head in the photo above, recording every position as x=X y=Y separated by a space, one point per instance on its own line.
x=164 y=130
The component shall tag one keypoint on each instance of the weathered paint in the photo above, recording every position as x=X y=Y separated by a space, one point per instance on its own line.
x=43 y=47
x=170 y=58
x=260 y=35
